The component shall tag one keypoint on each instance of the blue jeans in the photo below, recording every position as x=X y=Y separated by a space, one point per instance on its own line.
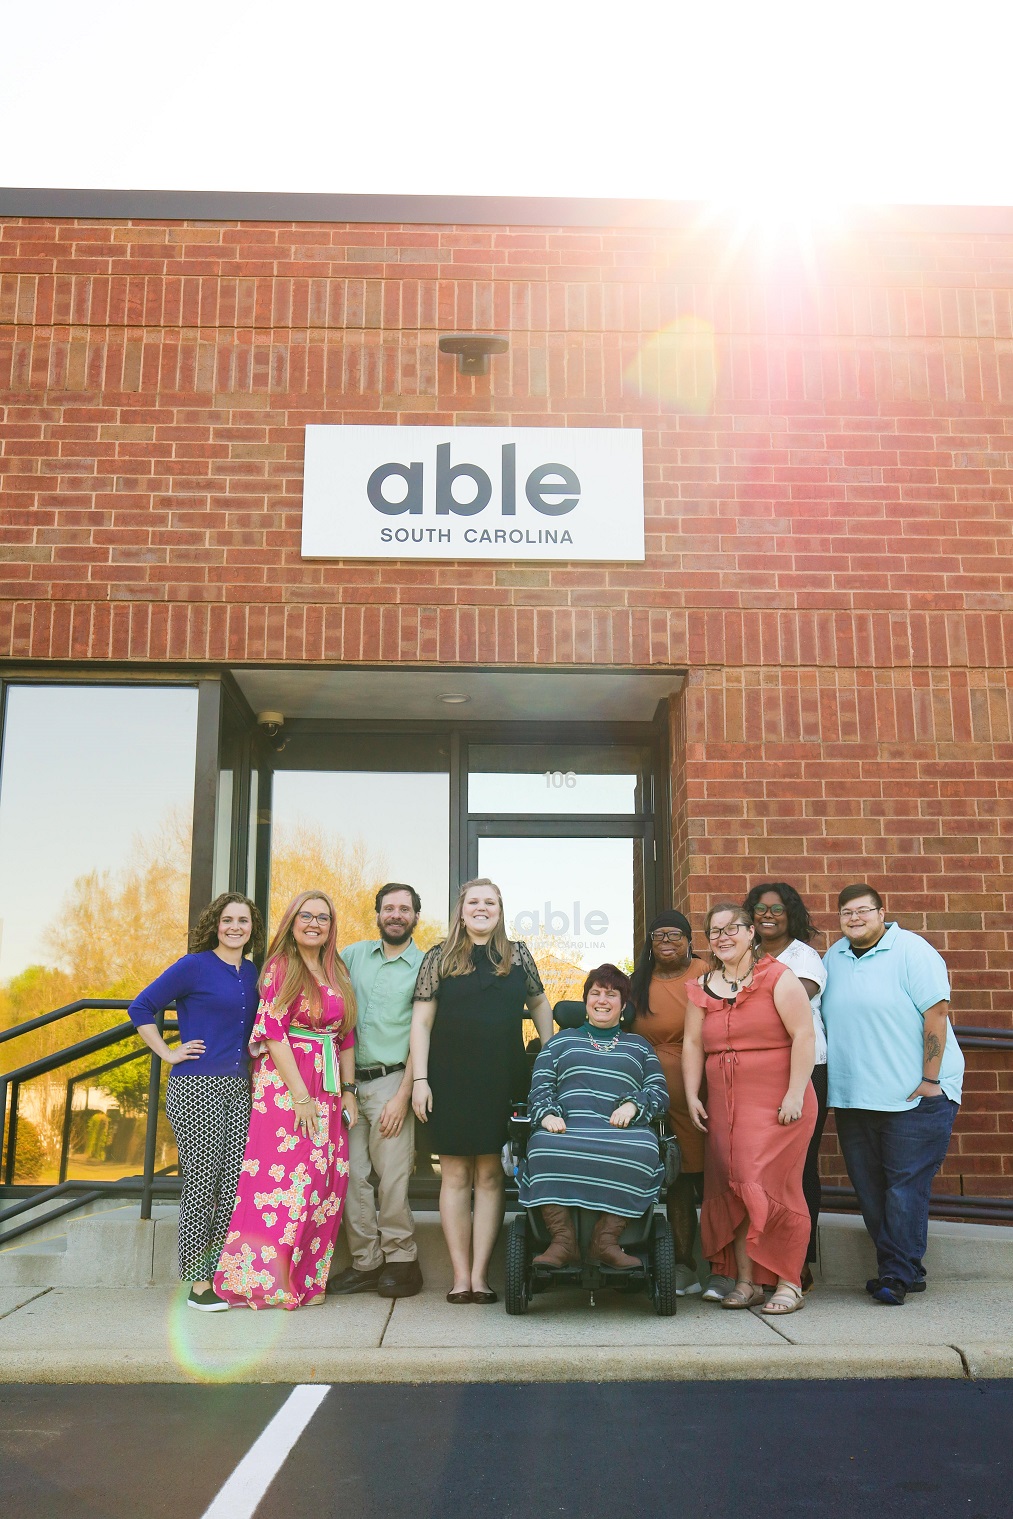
x=891 y=1159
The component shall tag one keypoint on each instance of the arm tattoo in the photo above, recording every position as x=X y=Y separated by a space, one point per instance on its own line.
x=932 y=1046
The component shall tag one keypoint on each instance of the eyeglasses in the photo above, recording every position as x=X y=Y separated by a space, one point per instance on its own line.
x=306 y=918
x=729 y=928
x=859 y=912
x=764 y=910
x=667 y=935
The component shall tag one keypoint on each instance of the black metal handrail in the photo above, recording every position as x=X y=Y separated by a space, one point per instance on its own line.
x=971 y=1038
x=11 y=1083
x=83 y=1005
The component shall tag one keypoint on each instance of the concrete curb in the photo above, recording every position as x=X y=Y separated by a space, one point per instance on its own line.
x=584 y=1364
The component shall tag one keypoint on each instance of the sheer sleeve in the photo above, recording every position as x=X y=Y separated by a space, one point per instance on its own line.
x=427 y=983
x=543 y=1097
x=272 y=1019
x=522 y=956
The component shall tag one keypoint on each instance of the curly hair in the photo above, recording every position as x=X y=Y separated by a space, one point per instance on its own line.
x=800 y=924
x=204 y=934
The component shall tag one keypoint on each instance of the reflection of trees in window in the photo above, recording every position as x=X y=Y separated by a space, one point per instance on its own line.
x=112 y=933
x=305 y=856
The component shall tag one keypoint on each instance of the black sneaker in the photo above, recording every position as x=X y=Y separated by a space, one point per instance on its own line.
x=891 y=1292
x=400 y=1279
x=207 y=1301
x=354 y=1280
x=872 y=1286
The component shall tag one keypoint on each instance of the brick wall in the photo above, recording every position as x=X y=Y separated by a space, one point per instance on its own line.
x=828 y=479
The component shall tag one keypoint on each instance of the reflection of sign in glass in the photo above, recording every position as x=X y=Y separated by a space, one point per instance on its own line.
x=556 y=922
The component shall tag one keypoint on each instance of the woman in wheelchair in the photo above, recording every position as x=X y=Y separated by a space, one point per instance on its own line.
x=595 y=1091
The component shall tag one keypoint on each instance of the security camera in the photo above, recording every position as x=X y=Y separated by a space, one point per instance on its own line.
x=272 y=724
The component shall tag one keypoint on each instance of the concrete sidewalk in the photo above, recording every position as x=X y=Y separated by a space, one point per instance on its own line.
x=89 y=1333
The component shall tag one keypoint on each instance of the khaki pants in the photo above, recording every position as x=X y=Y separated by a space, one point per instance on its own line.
x=381 y=1229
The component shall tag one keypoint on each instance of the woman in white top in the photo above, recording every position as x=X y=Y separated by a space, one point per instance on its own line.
x=786 y=931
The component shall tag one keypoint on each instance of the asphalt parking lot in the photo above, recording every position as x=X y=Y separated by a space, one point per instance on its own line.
x=893 y=1449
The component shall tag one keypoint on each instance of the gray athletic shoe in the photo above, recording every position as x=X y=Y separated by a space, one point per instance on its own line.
x=686 y=1283
x=717 y=1287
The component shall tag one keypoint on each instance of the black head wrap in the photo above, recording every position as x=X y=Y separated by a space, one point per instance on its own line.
x=671 y=919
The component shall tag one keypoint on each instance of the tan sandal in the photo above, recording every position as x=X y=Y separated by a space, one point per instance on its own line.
x=786 y=1299
x=743 y=1295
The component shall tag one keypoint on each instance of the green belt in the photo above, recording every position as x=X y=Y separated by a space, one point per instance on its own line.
x=332 y=1082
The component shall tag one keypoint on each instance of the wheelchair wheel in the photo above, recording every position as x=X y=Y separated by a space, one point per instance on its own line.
x=518 y=1266
x=662 y=1259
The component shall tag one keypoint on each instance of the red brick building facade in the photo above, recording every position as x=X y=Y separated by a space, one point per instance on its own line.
x=828 y=475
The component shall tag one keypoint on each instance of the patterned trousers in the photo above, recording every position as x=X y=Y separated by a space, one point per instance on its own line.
x=210 y=1117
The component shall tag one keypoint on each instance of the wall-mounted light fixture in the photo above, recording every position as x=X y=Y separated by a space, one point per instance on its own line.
x=453 y=698
x=473 y=349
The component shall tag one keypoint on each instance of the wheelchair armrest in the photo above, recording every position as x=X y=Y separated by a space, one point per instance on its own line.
x=519 y=1129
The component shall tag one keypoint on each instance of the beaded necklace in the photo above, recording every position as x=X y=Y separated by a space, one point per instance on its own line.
x=603 y=1049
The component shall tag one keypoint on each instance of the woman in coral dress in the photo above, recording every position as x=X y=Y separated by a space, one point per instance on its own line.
x=295 y=1171
x=750 y=1017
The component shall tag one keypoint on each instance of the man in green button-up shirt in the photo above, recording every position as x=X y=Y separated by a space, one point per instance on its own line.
x=381 y=1234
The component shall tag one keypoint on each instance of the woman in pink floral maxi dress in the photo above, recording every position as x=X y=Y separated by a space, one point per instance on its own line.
x=295 y=1170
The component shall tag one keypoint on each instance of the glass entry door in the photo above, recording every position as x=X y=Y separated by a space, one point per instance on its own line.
x=566 y=830
x=576 y=899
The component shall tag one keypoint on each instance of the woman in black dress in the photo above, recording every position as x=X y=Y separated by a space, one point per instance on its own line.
x=467 y=1052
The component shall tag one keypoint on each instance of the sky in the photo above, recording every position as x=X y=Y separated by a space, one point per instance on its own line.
x=88 y=772
x=779 y=106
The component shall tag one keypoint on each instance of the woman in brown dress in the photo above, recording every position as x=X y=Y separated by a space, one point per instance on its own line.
x=658 y=993
x=750 y=1017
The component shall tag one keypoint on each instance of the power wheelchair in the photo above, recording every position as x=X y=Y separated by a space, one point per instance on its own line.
x=648 y=1237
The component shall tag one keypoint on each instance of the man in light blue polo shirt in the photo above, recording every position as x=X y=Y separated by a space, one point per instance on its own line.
x=895 y=1072
x=381 y=1232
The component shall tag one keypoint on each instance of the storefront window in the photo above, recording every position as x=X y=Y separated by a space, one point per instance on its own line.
x=96 y=801
x=553 y=778
x=349 y=831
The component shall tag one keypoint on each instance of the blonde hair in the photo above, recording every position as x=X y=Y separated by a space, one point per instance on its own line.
x=740 y=916
x=286 y=966
x=456 y=957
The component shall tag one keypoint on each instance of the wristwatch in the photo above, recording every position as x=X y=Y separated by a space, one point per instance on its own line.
x=350 y=1086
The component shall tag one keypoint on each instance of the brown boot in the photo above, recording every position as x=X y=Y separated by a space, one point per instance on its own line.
x=605 y=1245
x=562 y=1248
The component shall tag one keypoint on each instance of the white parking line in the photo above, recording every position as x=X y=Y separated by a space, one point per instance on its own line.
x=249 y=1482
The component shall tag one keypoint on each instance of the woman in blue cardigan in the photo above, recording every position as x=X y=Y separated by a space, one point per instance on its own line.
x=207 y=1097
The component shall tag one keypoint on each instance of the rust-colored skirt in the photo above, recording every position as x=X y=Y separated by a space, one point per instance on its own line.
x=753 y=1165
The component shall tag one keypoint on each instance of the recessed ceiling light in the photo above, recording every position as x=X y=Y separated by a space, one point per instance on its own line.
x=453 y=698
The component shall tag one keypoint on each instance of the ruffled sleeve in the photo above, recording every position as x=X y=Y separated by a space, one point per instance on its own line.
x=522 y=956
x=696 y=994
x=427 y=983
x=272 y=1020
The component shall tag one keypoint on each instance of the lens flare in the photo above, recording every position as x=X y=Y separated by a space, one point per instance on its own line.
x=678 y=366
x=221 y=1347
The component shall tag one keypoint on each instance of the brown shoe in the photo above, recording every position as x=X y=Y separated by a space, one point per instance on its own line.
x=562 y=1249
x=605 y=1245
x=400 y=1279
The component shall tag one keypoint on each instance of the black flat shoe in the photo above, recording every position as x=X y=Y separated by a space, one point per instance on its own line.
x=460 y=1297
x=485 y=1297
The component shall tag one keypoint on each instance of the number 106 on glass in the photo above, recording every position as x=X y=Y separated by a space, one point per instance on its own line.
x=557 y=779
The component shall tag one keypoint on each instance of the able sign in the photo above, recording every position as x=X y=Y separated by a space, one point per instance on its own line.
x=473 y=493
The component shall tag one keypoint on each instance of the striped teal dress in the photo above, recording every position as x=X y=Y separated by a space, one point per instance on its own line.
x=594 y=1165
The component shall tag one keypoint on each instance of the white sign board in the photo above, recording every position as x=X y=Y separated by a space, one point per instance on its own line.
x=473 y=493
